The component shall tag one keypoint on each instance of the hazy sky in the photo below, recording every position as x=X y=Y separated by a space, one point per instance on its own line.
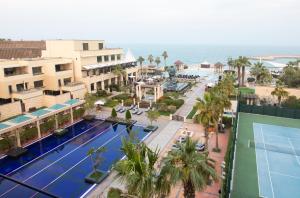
x=244 y=22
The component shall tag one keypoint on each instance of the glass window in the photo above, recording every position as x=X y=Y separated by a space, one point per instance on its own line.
x=106 y=58
x=119 y=57
x=59 y=83
x=67 y=81
x=100 y=46
x=112 y=58
x=38 y=84
x=36 y=70
x=10 y=89
x=99 y=59
x=85 y=46
x=20 y=87
x=92 y=87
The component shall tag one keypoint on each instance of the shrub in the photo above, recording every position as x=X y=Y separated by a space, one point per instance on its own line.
x=114 y=113
x=114 y=87
x=178 y=103
x=63 y=118
x=29 y=133
x=144 y=104
x=128 y=115
x=121 y=97
x=47 y=125
x=152 y=116
x=101 y=93
x=78 y=113
x=114 y=193
x=6 y=143
x=128 y=102
x=172 y=108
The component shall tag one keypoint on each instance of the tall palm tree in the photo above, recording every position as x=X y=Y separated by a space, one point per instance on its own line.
x=230 y=63
x=244 y=62
x=157 y=61
x=119 y=71
x=141 y=60
x=280 y=93
x=207 y=115
x=150 y=59
x=137 y=170
x=237 y=65
x=186 y=165
x=165 y=56
x=261 y=73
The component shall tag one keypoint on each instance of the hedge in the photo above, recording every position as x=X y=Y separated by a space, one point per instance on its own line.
x=28 y=134
x=78 y=113
x=63 y=119
x=47 y=125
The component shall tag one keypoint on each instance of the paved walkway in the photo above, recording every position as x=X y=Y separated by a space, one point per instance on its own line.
x=190 y=99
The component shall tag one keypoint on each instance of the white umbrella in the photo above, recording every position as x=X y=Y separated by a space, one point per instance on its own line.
x=99 y=102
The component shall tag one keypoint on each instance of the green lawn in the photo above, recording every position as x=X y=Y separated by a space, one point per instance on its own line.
x=192 y=113
x=245 y=174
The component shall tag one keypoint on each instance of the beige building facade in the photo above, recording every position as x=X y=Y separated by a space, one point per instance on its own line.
x=67 y=69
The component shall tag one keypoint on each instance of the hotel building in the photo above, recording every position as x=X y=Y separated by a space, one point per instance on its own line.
x=67 y=69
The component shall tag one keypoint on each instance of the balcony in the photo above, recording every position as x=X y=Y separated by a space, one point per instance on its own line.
x=15 y=71
x=29 y=93
x=73 y=86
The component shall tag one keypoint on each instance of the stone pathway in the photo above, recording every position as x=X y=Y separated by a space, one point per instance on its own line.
x=190 y=99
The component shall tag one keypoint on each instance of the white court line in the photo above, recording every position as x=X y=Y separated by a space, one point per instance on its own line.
x=290 y=142
x=258 y=179
x=263 y=138
x=56 y=160
x=61 y=175
x=53 y=149
x=286 y=175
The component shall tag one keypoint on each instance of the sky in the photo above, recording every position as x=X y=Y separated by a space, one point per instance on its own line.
x=228 y=22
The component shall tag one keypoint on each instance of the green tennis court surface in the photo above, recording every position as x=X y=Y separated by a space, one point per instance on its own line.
x=269 y=146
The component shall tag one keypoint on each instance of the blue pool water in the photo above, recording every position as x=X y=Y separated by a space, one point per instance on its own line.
x=61 y=171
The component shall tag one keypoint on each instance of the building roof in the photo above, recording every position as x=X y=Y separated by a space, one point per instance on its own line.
x=40 y=112
x=72 y=101
x=129 y=58
x=3 y=126
x=57 y=107
x=21 y=49
x=205 y=63
x=19 y=119
x=178 y=62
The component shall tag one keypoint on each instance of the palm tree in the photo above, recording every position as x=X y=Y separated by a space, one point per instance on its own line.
x=230 y=63
x=157 y=61
x=193 y=169
x=207 y=115
x=137 y=170
x=119 y=72
x=150 y=59
x=280 y=93
x=141 y=60
x=95 y=157
x=237 y=65
x=244 y=62
x=261 y=73
x=165 y=56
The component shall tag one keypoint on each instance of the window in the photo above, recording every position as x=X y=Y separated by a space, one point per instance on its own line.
x=20 y=87
x=10 y=89
x=112 y=58
x=119 y=57
x=92 y=87
x=38 y=84
x=59 y=83
x=106 y=58
x=99 y=59
x=36 y=70
x=100 y=46
x=85 y=46
x=58 y=68
x=67 y=81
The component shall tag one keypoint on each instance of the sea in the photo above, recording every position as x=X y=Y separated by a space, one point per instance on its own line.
x=196 y=53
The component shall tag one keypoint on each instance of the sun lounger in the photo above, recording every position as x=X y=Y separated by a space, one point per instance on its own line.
x=135 y=111
x=148 y=109
x=131 y=107
x=139 y=112
x=118 y=108
x=122 y=110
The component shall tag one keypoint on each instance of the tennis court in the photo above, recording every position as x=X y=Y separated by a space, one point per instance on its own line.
x=267 y=161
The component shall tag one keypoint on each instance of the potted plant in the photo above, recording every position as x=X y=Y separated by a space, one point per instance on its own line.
x=96 y=176
x=152 y=115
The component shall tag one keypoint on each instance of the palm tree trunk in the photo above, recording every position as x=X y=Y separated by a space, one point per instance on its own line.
x=239 y=76
x=217 y=138
x=189 y=190
x=206 y=137
x=243 y=76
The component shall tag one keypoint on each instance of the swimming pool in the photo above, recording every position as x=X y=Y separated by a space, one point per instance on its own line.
x=59 y=164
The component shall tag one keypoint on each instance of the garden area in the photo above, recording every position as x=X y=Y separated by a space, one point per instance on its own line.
x=167 y=105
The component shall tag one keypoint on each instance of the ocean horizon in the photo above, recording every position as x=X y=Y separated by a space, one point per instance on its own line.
x=196 y=53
